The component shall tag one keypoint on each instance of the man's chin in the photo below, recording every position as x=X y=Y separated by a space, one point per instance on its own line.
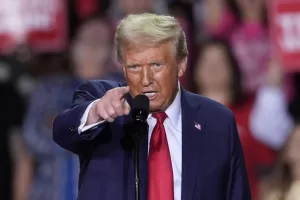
x=154 y=107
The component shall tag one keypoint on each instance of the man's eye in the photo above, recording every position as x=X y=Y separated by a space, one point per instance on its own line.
x=134 y=67
x=158 y=65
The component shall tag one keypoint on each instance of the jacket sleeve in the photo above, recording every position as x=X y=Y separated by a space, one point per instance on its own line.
x=65 y=126
x=238 y=185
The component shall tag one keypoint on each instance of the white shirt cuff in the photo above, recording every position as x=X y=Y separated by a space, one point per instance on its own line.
x=83 y=127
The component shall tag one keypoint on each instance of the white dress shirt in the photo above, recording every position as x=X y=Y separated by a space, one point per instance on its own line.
x=173 y=127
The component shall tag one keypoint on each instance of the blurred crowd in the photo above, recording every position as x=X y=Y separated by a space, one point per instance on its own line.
x=231 y=60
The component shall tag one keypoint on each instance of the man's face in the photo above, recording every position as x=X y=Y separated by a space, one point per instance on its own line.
x=153 y=71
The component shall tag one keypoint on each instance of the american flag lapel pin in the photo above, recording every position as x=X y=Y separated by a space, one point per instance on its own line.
x=197 y=126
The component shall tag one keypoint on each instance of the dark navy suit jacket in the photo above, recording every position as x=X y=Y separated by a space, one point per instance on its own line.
x=212 y=159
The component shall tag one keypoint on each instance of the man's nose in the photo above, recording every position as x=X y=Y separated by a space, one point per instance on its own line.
x=146 y=76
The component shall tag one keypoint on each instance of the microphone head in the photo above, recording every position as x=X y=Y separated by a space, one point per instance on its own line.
x=140 y=107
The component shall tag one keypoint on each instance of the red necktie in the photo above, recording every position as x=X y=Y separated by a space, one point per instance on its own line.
x=160 y=186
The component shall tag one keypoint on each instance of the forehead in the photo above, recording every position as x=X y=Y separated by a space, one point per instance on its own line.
x=145 y=54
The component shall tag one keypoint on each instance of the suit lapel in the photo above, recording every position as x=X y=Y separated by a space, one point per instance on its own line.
x=193 y=131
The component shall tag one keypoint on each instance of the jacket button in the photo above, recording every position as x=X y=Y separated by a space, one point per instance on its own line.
x=71 y=129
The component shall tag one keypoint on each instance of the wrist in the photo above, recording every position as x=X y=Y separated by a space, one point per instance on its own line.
x=92 y=116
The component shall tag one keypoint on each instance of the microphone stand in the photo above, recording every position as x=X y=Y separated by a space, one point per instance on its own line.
x=136 y=157
x=140 y=111
x=140 y=128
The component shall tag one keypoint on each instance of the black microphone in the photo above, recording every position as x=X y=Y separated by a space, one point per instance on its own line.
x=140 y=112
x=140 y=108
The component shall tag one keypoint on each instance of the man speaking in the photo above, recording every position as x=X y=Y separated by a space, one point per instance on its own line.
x=192 y=150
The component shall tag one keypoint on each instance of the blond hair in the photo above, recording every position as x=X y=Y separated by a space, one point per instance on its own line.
x=149 y=30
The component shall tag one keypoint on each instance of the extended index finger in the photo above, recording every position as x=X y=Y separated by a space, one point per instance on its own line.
x=123 y=90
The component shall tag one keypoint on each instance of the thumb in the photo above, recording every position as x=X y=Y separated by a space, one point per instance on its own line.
x=126 y=107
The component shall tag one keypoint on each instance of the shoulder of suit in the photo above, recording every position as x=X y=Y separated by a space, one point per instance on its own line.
x=101 y=84
x=211 y=106
x=110 y=84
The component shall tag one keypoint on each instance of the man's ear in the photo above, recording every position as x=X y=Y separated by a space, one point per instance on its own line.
x=182 y=67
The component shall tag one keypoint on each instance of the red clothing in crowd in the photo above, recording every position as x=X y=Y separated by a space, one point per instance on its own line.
x=256 y=154
x=86 y=8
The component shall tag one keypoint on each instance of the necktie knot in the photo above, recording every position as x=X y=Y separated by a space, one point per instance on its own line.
x=160 y=117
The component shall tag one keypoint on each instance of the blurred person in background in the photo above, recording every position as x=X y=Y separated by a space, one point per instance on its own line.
x=135 y=7
x=183 y=12
x=120 y=8
x=273 y=123
x=56 y=170
x=283 y=183
x=244 y=24
x=218 y=77
x=15 y=167
x=91 y=51
x=251 y=41
x=294 y=107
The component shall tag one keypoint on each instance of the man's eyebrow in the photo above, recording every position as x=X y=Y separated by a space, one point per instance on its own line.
x=158 y=61
x=161 y=61
x=132 y=64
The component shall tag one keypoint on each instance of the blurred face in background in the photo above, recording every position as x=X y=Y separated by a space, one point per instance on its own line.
x=244 y=3
x=251 y=9
x=293 y=148
x=135 y=6
x=92 y=50
x=213 y=69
